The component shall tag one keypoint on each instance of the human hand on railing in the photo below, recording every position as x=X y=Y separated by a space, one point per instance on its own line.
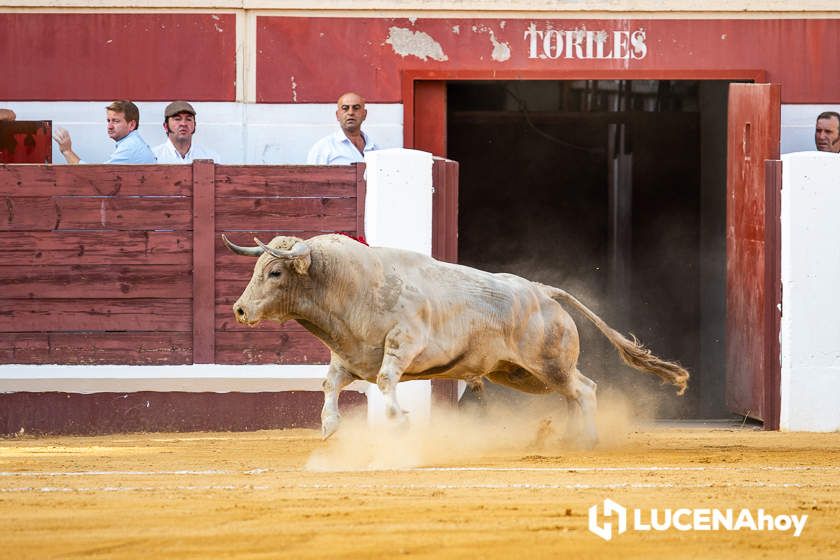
x=61 y=136
x=65 y=144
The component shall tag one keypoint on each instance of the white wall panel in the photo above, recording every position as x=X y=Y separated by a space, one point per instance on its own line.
x=239 y=132
x=810 y=330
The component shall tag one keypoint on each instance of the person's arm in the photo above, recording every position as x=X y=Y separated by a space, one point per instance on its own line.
x=65 y=144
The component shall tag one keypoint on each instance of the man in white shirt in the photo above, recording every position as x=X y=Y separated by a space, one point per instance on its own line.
x=179 y=124
x=349 y=144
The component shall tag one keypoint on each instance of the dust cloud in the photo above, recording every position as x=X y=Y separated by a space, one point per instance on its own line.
x=524 y=425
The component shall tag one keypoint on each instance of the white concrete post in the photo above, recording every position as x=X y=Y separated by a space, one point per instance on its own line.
x=810 y=328
x=398 y=213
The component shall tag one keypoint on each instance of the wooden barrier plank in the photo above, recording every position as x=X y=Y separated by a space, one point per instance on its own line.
x=61 y=248
x=78 y=213
x=270 y=348
x=28 y=213
x=141 y=348
x=333 y=214
x=172 y=411
x=77 y=281
x=285 y=181
x=95 y=180
x=124 y=180
x=204 y=247
x=24 y=315
x=228 y=291
x=451 y=245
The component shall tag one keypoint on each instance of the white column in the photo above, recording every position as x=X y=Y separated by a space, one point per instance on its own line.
x=398 y=213
x=810 y=329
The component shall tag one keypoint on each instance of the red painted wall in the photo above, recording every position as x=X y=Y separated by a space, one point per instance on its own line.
x=147 y=57
x=162 y=56
x=316 y=59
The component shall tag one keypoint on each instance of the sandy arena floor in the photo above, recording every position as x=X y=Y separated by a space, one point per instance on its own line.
x=480 y=491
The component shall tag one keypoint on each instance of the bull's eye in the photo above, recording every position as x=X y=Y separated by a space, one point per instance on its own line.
x=274 y=274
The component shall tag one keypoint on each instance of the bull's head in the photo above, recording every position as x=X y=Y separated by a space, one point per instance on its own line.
x=277 y=280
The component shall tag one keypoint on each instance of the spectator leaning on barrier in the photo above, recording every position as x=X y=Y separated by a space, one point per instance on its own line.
x=123 y=118
x=349 y=144
x=179 y=125
x=7 y=115
x=827 y=134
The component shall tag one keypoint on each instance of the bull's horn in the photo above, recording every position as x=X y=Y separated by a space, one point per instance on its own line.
x=298 y=250
x=247 y=251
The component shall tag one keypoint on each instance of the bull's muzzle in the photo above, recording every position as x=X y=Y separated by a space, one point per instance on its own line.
x=242 y=315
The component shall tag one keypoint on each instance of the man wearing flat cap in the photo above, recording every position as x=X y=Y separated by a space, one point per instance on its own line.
x=179 y=125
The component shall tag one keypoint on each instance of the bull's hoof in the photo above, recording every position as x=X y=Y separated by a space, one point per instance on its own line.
x=329 y=426
x=400 y=423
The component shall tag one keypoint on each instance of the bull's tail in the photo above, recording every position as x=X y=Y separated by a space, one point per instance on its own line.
x=632 y=352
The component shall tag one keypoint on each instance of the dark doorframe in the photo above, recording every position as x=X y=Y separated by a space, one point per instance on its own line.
x=424 y=93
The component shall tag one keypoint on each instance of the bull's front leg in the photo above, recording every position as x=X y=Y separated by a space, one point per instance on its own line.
x=400 y=350
x=337 y=379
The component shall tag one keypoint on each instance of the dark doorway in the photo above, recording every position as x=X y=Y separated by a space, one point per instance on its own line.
x=615 y=191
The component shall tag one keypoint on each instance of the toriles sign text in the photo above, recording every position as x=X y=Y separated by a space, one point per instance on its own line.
x=585 y=44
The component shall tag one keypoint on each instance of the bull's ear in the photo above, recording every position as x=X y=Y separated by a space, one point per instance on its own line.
x=300 y=263
x=298 y=256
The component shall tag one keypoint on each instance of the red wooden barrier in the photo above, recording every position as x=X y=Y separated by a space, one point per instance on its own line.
x=124 y=264
x=25 y=141
x=445 y=246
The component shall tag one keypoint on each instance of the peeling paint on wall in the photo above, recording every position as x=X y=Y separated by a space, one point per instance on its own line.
x=216 y=25
x=406 y=42
x=501 y=51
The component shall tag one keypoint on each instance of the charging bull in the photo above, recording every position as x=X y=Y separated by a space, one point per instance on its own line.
x=389 y=315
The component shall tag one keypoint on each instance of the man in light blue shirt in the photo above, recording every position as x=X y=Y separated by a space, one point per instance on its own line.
x=123 y=118
x=349 y=144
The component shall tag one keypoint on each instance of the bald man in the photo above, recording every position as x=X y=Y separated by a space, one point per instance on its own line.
x=349 y=144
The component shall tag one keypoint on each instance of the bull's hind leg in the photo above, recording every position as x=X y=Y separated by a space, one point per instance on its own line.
x=474 y=398
x=580 y=394
x=337 y=379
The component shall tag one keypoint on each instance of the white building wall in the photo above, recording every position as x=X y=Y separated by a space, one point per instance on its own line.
x=242 y=133
x=251 y=133
x=810 y=328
